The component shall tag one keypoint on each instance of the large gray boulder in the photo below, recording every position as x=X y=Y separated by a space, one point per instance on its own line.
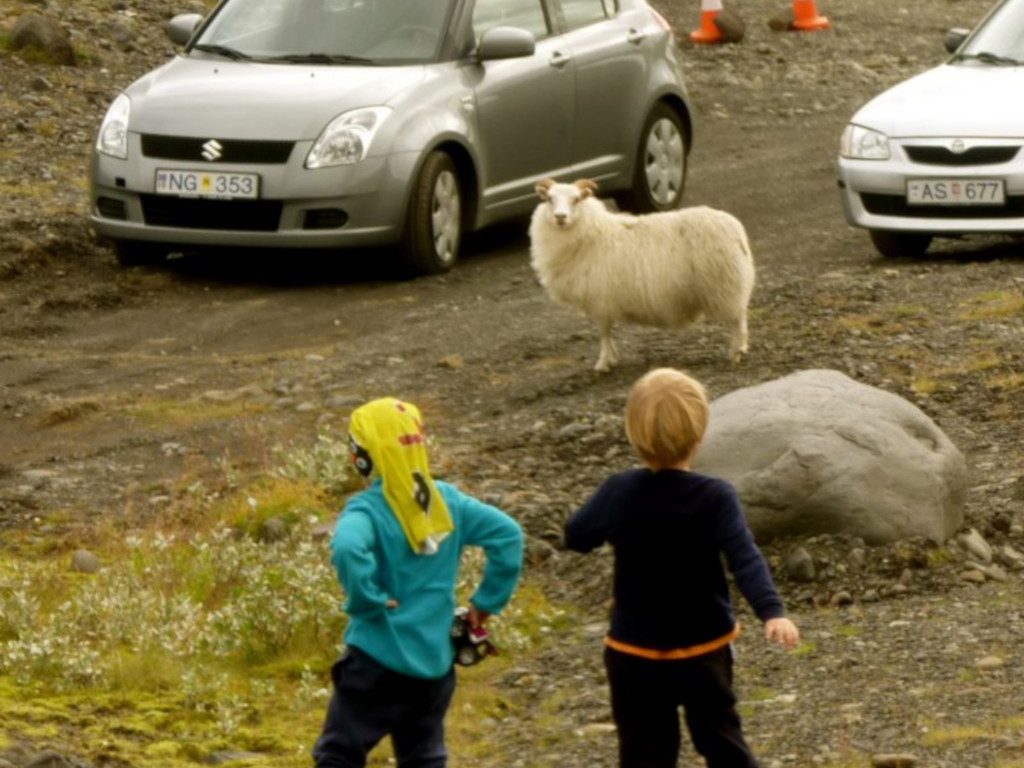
x=817 y=452
x=35 y=32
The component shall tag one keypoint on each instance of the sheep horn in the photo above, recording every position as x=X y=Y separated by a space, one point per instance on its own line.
x=543 y=186
x=587 y=186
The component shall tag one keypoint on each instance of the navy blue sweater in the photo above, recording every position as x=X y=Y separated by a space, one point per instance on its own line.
x=669 y=530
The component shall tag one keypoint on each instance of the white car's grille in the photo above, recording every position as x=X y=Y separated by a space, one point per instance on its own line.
x=982 y=155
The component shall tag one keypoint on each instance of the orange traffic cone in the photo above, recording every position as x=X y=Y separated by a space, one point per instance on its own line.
x=708 y=32
x=806 y=18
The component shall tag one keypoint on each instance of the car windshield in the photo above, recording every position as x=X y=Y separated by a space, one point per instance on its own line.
x=1000 y=40
x=340 y=32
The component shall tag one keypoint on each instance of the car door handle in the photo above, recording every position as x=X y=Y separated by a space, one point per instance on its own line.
x=636 y=36
x=559 y=59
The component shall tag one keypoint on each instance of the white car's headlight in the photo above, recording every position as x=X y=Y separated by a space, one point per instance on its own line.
x=861 y=143
x=346 y=139
x=113 y=138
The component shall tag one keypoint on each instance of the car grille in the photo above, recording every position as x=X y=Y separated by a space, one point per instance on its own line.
x=974 y=156
x=230 y=150
x=896 y=205
x=193 y=213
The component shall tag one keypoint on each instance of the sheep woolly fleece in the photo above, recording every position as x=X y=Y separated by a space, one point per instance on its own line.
x=664 y=269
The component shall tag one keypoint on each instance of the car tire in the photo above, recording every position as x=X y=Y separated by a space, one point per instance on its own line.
x=433 y=226
x=137 y=253
x=659 y=175
x=900 y=245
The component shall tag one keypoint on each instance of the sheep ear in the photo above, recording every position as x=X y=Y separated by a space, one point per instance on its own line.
x=543 y=187
x=587 y=187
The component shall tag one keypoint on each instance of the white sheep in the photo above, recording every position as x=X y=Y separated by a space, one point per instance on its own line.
x=664 y=269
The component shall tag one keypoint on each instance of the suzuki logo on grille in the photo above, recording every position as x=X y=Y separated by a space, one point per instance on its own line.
x=958 y=147
x=213 y=150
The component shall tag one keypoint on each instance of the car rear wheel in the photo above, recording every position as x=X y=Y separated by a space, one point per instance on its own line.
x=433 y=227
x=660 y=173
x=896 y=245
x=136 y=253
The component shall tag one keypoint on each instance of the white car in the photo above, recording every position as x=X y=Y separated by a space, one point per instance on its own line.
x=939 y=155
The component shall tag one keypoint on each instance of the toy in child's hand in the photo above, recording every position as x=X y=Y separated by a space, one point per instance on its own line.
x=472 y=644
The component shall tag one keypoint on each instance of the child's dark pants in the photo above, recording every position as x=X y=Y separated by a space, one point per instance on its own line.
x=370 y=702
x=646 y=696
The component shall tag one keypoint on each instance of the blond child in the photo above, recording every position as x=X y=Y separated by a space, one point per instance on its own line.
x=672 y=625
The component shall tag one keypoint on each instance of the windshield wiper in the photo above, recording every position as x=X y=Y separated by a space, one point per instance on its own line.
x=222 y=50
x=989 y=58
x=321 y=58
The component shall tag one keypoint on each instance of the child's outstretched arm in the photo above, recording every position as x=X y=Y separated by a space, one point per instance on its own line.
x=587 y=528
x=751 y=572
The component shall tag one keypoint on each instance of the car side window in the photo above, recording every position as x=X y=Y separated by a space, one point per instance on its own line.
x=525 y=14
x=579 y=13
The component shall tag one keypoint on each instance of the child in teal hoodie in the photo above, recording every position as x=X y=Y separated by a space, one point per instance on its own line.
x=396 y=549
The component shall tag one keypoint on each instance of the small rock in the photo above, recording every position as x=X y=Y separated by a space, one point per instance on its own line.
x=305 y=407
x=994 y=572
x=870 y=596
x=538 y=551
x=900 y=760
x=231 y=755
x=974 y=576
x=730 y=25
x=800 y=565
x=452 y=362
x=839 y=599
x=273 y=529
x=857 y=558
x=1011 y=558
x=84 y=561
x=49 y=759
x=988 y=663
x=975 y=543
x=596 y=729
x=41 y=84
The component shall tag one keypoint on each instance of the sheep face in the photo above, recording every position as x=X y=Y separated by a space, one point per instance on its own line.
x=560 y=201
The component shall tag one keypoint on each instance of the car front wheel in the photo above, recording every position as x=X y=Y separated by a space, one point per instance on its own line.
x=896 y=245
x=433 y=226
x=660 y=172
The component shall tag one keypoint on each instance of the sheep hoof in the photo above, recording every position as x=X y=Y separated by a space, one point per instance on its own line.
x=603 y=366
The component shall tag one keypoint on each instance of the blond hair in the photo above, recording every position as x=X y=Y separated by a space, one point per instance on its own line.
x=666 y=416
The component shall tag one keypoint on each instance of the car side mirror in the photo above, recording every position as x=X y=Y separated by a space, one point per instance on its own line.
x=505 y=43
x=955 y=38
x=181 y=28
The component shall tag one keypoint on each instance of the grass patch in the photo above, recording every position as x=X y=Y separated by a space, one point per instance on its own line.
x=993 y=305
x=961 y=735
x=1008 y=382
x=189 y=413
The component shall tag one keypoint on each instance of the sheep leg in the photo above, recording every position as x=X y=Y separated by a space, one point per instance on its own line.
x=738 y=342
x=608 y=356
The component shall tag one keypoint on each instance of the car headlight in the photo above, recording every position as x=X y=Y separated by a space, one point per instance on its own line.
x=346 y=139
x=113 y=138
x=861 y=143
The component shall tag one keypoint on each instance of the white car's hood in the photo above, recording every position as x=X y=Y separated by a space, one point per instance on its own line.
x=250 y=100
x=962 y=100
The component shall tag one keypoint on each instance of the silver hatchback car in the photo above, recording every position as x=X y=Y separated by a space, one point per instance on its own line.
x=347 y=123
x=942 y=154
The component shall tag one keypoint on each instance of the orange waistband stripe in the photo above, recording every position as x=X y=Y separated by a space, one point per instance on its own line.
x=674 y=653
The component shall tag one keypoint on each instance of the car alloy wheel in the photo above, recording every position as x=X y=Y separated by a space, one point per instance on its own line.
x=660 y=174
x=433 y=229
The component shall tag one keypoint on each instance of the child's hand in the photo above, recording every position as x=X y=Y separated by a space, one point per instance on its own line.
x=782 y=631
x=476 y=617
x=391 y=603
